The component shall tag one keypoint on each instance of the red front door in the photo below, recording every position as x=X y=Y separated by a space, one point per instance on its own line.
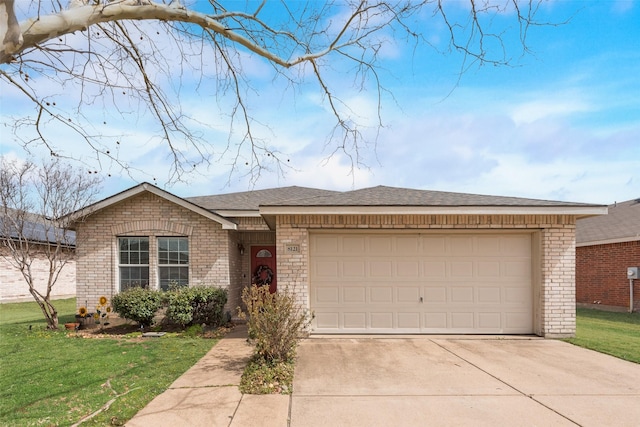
x=263 y=266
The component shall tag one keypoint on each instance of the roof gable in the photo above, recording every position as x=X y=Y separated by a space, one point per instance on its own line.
x=146 y=187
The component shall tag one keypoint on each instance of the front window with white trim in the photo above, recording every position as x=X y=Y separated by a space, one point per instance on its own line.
x=133 y=262
x=173 y=262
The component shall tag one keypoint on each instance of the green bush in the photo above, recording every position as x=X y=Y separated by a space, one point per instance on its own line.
x=196 y=305
x=137 y=304
x=275 y=322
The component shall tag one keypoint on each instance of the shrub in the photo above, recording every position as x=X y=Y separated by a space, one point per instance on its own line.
x=137 y=304
x=275 y=322
x=196 y=305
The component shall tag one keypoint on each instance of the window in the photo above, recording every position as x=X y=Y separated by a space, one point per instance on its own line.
x=134 y=262
x=173 y=261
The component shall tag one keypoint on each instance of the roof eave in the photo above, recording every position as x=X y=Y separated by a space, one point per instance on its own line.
x=608 y=241
x=578 y=211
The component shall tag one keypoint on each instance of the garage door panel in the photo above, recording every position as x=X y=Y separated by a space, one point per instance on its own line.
x=355 y=320
x=491 y=321
x=435 y=294
x=325 y=269
x=325 y=245
x=380 y=269
x=327 y=295
x=519 y=268
x=461 y=294
x=433 y=245
x=441 y=283
x=435 y=320
x=462 y=320
x=489 y=269
x=382 y=320
x=489 y=295
x=435 y=270
x=409 y=269
x=351 y=245
x=354 y=294
x=459 y=269
x=489 y=245
x=409 y=320
x=407 y=245
x=354 y=268
x=461 y=245
x=408 y=294
x=380 y=245
x=514 y=295
x=516 y=321
x=381 y=295
x=327 y=321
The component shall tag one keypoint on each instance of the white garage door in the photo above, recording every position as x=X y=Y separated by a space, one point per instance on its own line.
x=421 y=283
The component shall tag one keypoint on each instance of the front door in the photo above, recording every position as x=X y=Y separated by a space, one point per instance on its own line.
x=263 y=266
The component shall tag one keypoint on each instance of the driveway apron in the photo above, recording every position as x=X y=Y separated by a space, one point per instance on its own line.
x=458 y=381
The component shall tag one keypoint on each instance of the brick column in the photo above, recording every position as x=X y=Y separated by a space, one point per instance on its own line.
x=558 y=313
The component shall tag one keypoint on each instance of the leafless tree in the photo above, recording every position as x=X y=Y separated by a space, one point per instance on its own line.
x=133 y=58
x=36 y=202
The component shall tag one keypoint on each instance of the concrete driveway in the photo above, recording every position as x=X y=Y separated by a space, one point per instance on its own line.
x=457 y=381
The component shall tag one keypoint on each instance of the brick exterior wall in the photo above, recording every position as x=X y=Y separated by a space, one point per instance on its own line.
x=152 y=216
x=554 y=279
x=602 y=274
x=215 y=257
x=14 y=288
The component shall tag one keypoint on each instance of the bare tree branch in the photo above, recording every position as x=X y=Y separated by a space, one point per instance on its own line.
x=121 y=57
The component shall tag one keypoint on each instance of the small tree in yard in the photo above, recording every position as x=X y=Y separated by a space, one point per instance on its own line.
x=35 y=204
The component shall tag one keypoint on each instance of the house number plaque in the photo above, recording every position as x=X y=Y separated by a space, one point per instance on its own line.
x=293 y=248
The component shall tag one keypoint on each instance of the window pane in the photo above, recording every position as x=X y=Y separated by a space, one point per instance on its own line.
x=134 y=262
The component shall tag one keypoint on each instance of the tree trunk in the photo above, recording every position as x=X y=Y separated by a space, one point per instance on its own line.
x=48 y=310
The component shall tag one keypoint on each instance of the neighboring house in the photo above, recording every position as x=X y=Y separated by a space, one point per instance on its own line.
x=605 y=247
x=13 y=286
x=376 y=260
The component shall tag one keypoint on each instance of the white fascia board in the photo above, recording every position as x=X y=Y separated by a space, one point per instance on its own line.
x=579 y=211
x=238 y=213
x=226 y=224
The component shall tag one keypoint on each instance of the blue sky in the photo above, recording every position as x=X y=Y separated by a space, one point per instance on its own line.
x=561 y=123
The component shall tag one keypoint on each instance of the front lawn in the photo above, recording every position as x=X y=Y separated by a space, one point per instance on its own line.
x=617 y=334
x=56 y=378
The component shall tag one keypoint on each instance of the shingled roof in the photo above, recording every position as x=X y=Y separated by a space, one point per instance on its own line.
x=252 y=200
x=393 y=196
x=622 y=224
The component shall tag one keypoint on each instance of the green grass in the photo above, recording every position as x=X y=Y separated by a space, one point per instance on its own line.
x=617 y=334
x=55 y=378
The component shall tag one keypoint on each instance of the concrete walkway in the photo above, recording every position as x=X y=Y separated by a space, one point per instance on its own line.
x=207 y=395
x=409 y=381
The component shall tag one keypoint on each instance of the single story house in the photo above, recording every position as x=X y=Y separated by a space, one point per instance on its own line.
x=606 y=246
x=13 y=286
x=375 y=260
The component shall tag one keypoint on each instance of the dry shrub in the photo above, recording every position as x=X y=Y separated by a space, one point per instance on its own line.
x=275 y=322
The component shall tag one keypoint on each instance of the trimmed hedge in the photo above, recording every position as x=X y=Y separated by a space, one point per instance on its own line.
x=196 y=305
x=137 y=304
